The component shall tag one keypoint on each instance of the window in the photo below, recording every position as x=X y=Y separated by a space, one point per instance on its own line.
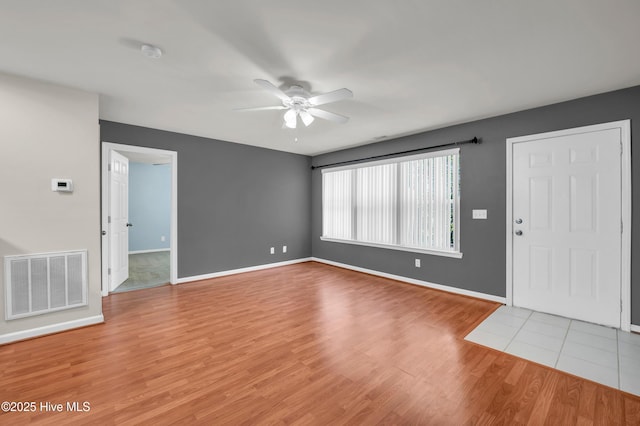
x=406 y=203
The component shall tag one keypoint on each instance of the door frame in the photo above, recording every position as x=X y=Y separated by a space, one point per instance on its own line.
x=625 y=266
x=173 y=232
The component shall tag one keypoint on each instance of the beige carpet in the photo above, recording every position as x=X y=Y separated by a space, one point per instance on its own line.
x=146 y=270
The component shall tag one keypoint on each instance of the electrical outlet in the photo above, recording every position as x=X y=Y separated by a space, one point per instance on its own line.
x=162 y=238
x=273 y=250
x=284 y=249
x=479 y=214
x=417 y=263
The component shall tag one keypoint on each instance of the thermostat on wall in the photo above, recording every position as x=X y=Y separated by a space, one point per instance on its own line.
x=62 y=185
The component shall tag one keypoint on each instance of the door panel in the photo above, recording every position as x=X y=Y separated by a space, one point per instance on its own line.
x=540 y=197
x=583 y=203
x=583 y=272
x=567 y=192
x=119 y=214
x=541 y=259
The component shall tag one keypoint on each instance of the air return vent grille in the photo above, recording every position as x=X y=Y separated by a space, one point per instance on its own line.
x=47 y=282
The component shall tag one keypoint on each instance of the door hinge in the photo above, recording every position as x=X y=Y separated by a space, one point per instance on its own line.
x=621 y=227
x=108 y=219
x=620 y=305
x=109 y=167
x=621 y=148
x=108 y=271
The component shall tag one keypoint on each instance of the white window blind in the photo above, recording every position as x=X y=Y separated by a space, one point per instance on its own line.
x=337 y=202
x=406 y=202
x=375 y=203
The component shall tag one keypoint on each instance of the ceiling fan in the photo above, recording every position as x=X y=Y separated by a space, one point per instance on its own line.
x=299 y=103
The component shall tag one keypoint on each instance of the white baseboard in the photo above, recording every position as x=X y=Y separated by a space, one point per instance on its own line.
x=241 y=270
x=446 y=288
x=49 y=329
x=635 y=328
x=149 y=251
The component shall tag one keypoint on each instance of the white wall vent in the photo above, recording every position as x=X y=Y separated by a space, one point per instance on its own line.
x=40 y=283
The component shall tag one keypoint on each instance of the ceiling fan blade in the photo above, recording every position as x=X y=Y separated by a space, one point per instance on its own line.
x=331 y=116
x=273 y=89
x=290 y=119
x=306 y=117
x=336 y=95
x=261 y=108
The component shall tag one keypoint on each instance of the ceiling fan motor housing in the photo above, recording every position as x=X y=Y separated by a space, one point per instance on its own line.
x=297 y=98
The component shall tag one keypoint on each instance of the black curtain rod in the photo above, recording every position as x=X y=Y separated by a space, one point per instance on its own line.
x=474 y=140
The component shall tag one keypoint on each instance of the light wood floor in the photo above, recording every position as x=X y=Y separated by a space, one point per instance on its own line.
x=301 y=344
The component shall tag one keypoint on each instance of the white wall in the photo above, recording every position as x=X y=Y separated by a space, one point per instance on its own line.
x=49 y=131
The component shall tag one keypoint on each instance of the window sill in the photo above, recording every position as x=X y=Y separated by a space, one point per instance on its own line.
x=454 y=254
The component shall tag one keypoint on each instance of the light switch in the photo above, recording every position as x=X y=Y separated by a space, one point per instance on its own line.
x=479 y=214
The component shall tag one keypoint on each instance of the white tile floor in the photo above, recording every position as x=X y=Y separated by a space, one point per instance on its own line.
x=597 y=353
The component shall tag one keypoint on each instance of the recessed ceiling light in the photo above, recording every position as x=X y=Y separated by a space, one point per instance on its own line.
x=151 y=51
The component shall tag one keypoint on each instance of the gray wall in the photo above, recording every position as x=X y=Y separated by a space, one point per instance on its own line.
x=483 y=185
x=234 y=201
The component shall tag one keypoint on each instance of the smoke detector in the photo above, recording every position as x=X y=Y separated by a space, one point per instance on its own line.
x=151 y=51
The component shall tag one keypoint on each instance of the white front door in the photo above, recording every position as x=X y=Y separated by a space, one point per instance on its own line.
x=566 y=200
x=118 y=219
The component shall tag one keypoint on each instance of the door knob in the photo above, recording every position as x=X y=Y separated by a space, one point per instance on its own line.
x=518 y=232
x=518 y=221
x=129 y=225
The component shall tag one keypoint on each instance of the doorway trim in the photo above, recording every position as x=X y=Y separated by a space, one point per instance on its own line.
x=625 y=263
x=173 y=232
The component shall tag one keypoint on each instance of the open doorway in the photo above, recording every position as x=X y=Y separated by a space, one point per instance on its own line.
x=145 y=255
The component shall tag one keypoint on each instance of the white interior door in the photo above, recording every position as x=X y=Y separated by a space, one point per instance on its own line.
x=567 y=225
x=118 y=219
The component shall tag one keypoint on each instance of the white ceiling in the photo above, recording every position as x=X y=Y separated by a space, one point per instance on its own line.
x=412 y=65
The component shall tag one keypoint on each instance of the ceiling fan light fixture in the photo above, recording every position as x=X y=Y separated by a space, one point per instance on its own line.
x=290 y=119
x=306 y=117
